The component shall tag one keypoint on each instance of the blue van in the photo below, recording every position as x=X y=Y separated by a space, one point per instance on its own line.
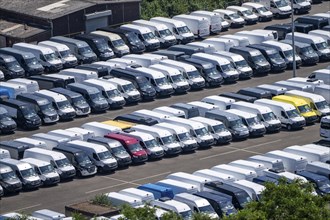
x=321 y=183
x=157 y=190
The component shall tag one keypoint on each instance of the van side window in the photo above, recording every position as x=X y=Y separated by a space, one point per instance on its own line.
x=313 y=106
x=259 y=117
x=283 y=114
x=42 y=57
x=53 y=163
x=140 y=37
x=142 y=143
x=312 y=76
x=18 y=173
x=37 y=171
x=95 y=156
x=175 y=31
x=272 y=4
x=153 y=82
x=254 y=10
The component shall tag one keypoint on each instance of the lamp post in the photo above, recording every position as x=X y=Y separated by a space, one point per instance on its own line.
x=293 y=46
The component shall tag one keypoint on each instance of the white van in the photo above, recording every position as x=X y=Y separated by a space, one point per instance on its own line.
x=199 y=26
x=196 y=81
x=170 y=111
x=261 y=11
x=109 y=91
x=292 y=162
x=245 y=71
x=30 y=142
x=56 y=159
x=122 y=62
x=188 y=143
x=4 y=154
x=274 y=90
x=148 y=142
x=60 y=102
x=157 y=79
x=316 y=102
x=118 y=200
x=221 y=44
x=232 y=17
x=240 y=40
x=253 y=189
x=160 y=117
x=319 y=168
x=318 y=43
x=61 y=51
x=161 y=31
x=44 y=55
x=245 y=13
x=218 y=130
x=225 y=68
x=47 y=214
x=214 y=175
x=280 y=8
x=255 y=37
x=178 y=28
x=127 y=89
x=325 y=127
x=174 y=76
x=100 y=129
x=256 y=128
x=115 y=42
x=144 y=196
x=310 y=154
x=66 y=134
x=84 y=132
x=144 y=60
x=321 y=74
x=208 y=48
x=293 y=85
x=249 y=165
x=174 y=206
x=222 y=102
x=238 y=173
x=214 y=19
x=189 y=178
x=45 y=170
x=145 y=35
x=31 y=85
x=197 y=204
x=306 y=81
x=268 y=162
x=163 y=137
x=14 y=88
x=264 y=114
x=196 y=129
x=203 y=107
x=286 y=113
x=321 y=33
x=79 y=75
x=50 y=140
x=178 y=186
x=323 y=90
x=99 y=154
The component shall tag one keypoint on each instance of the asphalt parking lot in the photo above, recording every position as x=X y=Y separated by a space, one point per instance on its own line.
x=57 y=197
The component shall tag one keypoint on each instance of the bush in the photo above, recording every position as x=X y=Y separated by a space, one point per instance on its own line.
x=101 y=200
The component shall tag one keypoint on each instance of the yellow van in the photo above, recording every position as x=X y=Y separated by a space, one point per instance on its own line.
x=124 y=125
x=301 y=105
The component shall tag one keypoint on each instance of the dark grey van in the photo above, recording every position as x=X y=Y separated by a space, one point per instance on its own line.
x=98 y=45
x=46 y=82
x=255 y=59
x=7 y=124
x=272 y=55
x=188 y=50
x=100 y=69
x=207 y=70
x=79 y=48
x=238 y=97
x=172 y=54
x=233 y=123
x=255 y=92
x=27 y=60
x=189 y=110
x=16 y=149
x=140 y=82
x=77 y=101
x=10 y=67
x=306 y=52
x=42 y=106
x=136 y=119
x=282 y=29
x=316 y=21
x=9 y=180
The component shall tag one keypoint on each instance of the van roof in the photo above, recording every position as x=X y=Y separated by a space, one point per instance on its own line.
x=218 y=175
x=238 y=8
x=219 y=98
x=280 y=45
x=189 y=17
x=272 y=87
x=296 y=101
x=120 y=124
x=262 y=109
x=315 y=39
x=67 y=148
x=176 y=183
x=78 y=43
x=122 y=197
x=232 y=169
x=42 y=49
x=217 y=197
x=165 y=69
x=151 y=72
x=96 y=147
x=15 y=102
x=108 y=35
x=25 y=55
x=185 y=121
x=207 y=13
x=143 y=135
x=67 y=92
x=226 y=186
x=23 y=81
x=52 y=44
x=178 y=65
x=176 y=23
x=268 y=50
x=38 y=99
x=89 y=89
x=247 y=163
x=252 y=51
x=283 y=105
x=201 y=44
x=219 y=60
x=234 y=56
x=140 y=29
x=230 y=116
x=49 y=137
x=152 y=24
x=266 y=159
x=207 y=121
x=258 y=188
x=255 y=5
x=200 y=104
x=121 y=136
x=169 y=110
x=30 y=140
x=283 y=154
x=307 y=95
x=35 y=162
x=160 y=131
x=19 y=164
x=13 y=85
x=296 y=43
x=189 y=176
x=105 y=84
x=177 y=128
x=52 y=95
x=119 y=81
x=5 y=168
x=223 y=11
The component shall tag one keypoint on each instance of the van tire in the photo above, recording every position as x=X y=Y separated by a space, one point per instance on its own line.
x=289 y=127
x=295 y=11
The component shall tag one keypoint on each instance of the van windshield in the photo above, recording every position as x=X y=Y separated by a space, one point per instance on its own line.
x=96 y=96
x=5 y=117
x=161 y=81
x=63 y=104
x=243 y=198
x=252 y=121
x=219 y=128
x=321 y=105
x=322 y=46
x=47 y=108
x=201 y=132
x=168 y=139
x=236 y=123
x=275 y=57
x=211 y=72
x=206 y=209
x=184 y=136
x=62 y=162
x=28 y=173
x=148 y=36
x=8 y=176
x=129 y=87
x=31 y=61
x=50 y=57
x=104 y=155
x=258 y=59
x=46 y=169
x=187 y=215
x=151 y=143
x=27 y=111
x=165 y=33
x=102 y=46
x=234 y=16
x=133 y=39
x=183 y=30
x=288 y=53
x=227 y=207
x=66 y=53
x=134 y=147
x=82 y=159
x=247 y=12
x=241 y=64
x=78 y=100
x=178 y=78
x=113 y=93
x=227 y=67
x=304 y=108
x=85 y=50
x=13 y=65
x=307 y=50
x=118 y=150
x=281 y=3
x=292 y=113
x=193 y=74
x=144 y=85
x=262 y=10
x=118 y=43
x=269 y=116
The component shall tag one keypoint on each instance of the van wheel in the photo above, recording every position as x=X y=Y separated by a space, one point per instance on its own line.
x=295 y=11
x=289 y=127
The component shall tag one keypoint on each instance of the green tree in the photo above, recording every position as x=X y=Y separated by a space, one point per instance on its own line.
x=286 y=201
x=142 y=213
x=171 y=216
x=202 y=216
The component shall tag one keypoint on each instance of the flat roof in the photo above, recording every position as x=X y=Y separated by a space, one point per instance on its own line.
x=17 y=30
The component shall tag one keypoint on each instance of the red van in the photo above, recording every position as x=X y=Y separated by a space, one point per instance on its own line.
x=132 y=145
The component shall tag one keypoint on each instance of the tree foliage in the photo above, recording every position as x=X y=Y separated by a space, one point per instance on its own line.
x=170 y=8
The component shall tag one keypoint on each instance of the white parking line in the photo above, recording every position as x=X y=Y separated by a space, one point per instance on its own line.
x=108 y=187
x=216 y=155
x=28 y=207
x=149 y=177
x=266 y=143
